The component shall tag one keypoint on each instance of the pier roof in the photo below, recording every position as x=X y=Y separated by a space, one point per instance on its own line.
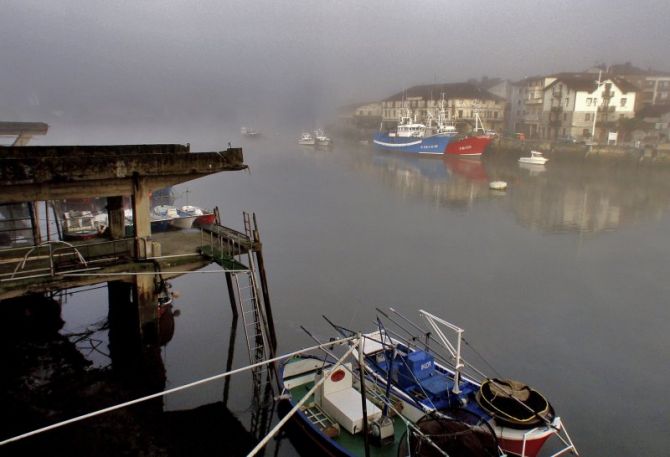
x=33 y=173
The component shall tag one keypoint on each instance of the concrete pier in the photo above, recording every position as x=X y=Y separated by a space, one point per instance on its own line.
x=47 y=173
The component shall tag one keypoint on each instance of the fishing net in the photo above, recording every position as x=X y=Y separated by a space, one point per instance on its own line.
x=463 y=434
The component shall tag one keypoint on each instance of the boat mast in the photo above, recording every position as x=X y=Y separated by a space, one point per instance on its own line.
x=454 y=351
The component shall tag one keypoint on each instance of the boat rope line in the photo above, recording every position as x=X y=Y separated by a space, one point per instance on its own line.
x=375 y=381
x=429 y=336
x=546 y=422
x=140 y=273
x=171 y=391
x=297 y=406
x=408 y=423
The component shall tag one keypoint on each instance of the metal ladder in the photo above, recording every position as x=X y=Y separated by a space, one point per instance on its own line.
x=252 y=314
x=256 y=335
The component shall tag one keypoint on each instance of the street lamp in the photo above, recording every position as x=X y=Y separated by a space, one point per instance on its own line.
x=595 y=113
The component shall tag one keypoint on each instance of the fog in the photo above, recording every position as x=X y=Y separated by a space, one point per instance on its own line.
x=74 y=63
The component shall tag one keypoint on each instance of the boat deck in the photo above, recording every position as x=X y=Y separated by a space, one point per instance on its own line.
x=355 y=443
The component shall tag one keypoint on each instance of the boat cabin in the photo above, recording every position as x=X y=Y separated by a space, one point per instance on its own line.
x=338 y=398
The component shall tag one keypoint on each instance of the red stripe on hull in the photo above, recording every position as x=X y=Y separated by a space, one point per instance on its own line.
x=532 y=446
x=473 y=146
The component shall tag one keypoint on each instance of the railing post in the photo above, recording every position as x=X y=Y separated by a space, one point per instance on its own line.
x=51 y=260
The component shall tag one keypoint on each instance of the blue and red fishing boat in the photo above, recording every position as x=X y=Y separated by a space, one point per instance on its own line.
x=439 y=139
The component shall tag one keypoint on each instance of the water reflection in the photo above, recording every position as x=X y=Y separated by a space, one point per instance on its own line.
x=562 y=196
x=454 y=182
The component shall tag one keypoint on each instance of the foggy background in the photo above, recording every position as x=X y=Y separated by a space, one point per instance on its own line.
x=275 y=64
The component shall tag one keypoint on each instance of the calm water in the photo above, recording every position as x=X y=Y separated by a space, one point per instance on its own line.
x=560 y=282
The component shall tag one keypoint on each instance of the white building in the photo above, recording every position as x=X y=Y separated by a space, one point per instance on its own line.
x=575 y=104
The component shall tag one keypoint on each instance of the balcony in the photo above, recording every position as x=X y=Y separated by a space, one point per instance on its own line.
x=556 y=109
x=534 y=100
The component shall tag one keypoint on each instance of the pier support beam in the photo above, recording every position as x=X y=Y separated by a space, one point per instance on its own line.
x=116 y=218
x=147 y=304
x=141 y=219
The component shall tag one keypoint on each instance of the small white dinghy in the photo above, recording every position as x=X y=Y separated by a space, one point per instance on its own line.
x=498 y=185
x=536 y=158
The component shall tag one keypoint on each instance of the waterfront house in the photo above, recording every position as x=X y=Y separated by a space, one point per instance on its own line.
x=576 y=104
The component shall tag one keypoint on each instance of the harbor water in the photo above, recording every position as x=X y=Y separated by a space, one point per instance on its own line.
x=560 y=281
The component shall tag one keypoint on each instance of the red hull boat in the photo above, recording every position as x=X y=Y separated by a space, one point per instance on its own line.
x=469 y=146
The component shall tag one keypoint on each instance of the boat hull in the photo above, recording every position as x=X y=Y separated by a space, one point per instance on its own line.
x=205 y=219
x=469 y=146
x=183 y=222
x=445 y=145
x=430 y=145
x=533 y=161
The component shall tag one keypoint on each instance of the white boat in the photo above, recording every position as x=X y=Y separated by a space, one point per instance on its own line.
x=246 y=131
x=170 y=214
x=202 y=216
x=536 y=158
x=498 y=185
x=321 y=138
x=307 y=139
x=81 y=225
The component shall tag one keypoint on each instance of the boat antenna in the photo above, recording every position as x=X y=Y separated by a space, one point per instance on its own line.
x=419 y=328
x=413 y=337
x=341 y=330
x=389 y=361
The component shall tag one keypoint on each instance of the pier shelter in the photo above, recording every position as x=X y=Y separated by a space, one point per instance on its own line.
x=35 y=176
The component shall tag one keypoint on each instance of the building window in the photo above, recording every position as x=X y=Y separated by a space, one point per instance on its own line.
x=495 y=115
x=623 y=102
x=567 y=101
x=589 y=101
x=460 y=113
x=587 y=117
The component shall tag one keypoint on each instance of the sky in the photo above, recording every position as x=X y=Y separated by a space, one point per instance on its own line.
x=227 y=61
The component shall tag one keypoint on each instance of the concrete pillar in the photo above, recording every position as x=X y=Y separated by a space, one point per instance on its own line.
x=35 y=221
x=147 y=304
x=115 y=218
x=141 y=220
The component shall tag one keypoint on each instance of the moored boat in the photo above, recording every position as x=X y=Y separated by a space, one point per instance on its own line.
x=437 y=138
x=166 y=216
x=535 y=158
x=83 y=225
x=250 y=132
x=306 y=139
x=331 y=421
x=202 y=216
x=441 y=380
x=321 y=138
x=498 y=185
x=469 y=145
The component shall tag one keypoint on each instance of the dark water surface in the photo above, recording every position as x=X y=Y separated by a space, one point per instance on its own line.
x=562 y=281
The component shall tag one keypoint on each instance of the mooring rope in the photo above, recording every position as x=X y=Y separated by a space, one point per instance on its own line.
x=170 y=391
